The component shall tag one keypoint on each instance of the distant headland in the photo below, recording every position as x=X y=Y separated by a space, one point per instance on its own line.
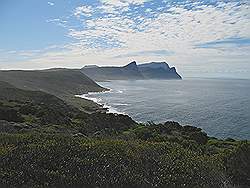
x=132 y=71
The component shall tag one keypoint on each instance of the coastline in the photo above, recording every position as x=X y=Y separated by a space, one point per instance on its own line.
x=161 y=101
x=106 y=107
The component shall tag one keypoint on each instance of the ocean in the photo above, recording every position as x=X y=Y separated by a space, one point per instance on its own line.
x=221 y=107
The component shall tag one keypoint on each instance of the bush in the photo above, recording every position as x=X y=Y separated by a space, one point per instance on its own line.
x=55 y=161
x=11 y=115
x=238 y=164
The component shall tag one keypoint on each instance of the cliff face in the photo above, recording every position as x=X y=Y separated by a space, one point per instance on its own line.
x=158 y=70
x=132 y=71
x=128 y=72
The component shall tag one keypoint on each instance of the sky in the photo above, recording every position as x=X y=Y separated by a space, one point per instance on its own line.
x=204 y=38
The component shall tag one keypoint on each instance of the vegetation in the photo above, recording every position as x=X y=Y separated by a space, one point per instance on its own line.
x=237 y=164
x=49 y=160
x=45 y=142
x=63 y=83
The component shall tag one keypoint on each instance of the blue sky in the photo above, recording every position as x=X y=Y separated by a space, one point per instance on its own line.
x=201 y=38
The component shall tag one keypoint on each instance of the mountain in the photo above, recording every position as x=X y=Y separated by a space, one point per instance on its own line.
x=158 y=70
x=129 y=71
x=132 y=71
x=63 y=83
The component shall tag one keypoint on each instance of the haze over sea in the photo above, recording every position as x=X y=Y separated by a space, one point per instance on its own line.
x=221 y=107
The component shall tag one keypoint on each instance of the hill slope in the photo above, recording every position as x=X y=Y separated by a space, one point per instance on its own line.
x=25 y=110
x=63 y=83
x=54 y=81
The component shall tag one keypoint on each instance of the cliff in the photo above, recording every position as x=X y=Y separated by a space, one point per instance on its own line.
x=132 y=71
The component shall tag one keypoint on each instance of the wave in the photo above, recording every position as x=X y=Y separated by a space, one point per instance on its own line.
x=120 y=104
x=94 y=99
x=109 y=108
x=119 y=91
x=89 y=96
x=112 y=110
x=99 y=92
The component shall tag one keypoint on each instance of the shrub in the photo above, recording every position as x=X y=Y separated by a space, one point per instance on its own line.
x=55 y=161
x=238 y=164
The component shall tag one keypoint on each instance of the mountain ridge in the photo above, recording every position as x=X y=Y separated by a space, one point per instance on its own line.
x=132 y=71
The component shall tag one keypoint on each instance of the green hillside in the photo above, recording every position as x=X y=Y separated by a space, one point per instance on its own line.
x=63 y=83
x=37 y=110
x=55 y=81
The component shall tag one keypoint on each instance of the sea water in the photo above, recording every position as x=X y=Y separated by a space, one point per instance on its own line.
x=221 y=107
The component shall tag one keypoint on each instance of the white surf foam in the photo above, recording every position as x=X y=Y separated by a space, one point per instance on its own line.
x=119 y=91
x=110 y=109
x=120 y=104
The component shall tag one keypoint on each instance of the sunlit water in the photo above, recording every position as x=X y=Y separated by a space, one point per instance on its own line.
x=220 y=107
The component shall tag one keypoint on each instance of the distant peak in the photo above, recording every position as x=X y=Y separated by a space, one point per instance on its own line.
x=173 y=69
x=131 y=65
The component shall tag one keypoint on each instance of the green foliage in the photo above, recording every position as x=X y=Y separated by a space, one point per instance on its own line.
x=237 y=164
x=169 y=131
x=41 y=111
x=106 y=123
x=57 y=160
x=9 y=114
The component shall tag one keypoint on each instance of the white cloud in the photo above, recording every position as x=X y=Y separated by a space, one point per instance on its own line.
x=178 y=30
x=124 y=2
x=51 y=3
x=119 y=6
x=83 y=11
x=58 y=22
x=168 y=30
